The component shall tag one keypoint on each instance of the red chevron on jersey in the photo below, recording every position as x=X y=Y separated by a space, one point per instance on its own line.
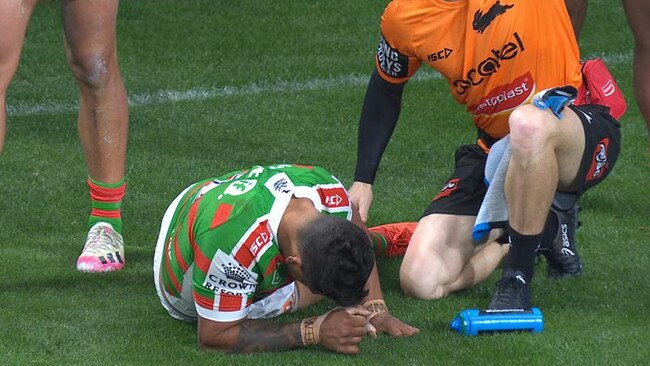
x=175 y=283
x=191 y=218
x=179 y=255
x=273 y=264
x=221 y=215
x=201 y=260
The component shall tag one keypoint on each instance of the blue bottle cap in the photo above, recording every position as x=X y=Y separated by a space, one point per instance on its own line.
x=456 y=324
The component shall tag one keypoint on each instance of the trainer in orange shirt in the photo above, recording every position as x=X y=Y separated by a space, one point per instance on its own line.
x=495 y=55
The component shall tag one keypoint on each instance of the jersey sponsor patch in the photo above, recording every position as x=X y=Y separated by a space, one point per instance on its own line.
x=226 y=275
x=280 y=184
x=391 y=61
x=490 y=65
x=333 y=197
x=505 y=97
x=255 y=242
x=439 y=55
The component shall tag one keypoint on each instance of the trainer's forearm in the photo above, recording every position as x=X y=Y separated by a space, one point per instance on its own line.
x=254 y=336
x=379 y=115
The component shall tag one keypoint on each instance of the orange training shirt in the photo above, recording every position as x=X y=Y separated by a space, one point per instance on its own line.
x=495 y=54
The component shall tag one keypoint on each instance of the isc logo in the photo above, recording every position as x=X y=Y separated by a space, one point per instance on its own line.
x=444 y=53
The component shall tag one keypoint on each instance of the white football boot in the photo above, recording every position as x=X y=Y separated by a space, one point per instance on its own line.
x=104 y=250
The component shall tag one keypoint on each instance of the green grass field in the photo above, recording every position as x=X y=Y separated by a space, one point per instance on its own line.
x=215 y=86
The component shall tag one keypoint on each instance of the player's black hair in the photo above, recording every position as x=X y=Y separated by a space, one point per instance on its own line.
x=337 y=259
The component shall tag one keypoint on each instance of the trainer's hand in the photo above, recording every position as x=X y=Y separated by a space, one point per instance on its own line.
x=361 y=195
x=342 y=332
x=386 y=323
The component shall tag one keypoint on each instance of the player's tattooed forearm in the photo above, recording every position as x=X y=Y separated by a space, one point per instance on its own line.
x=258 y=335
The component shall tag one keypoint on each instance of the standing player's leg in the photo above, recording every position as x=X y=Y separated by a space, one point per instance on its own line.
x=638 y=15
x=14 y=16
x=577 y=10
x=91 y=48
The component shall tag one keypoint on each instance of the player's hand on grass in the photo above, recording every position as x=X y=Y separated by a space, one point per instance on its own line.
x=343 y=330
x=386 y=323
x=361 y=195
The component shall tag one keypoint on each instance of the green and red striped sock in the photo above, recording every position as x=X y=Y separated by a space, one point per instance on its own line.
x=105 y=203
x=379 y=243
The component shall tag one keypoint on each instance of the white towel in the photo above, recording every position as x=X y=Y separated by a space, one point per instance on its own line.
x=494 y=209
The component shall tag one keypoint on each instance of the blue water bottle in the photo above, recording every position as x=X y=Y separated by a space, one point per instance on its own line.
x=473 y=322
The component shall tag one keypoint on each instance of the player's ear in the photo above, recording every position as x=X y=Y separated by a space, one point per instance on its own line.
x=294 y=260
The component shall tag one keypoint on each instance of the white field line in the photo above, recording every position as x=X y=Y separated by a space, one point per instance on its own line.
x=19 y=109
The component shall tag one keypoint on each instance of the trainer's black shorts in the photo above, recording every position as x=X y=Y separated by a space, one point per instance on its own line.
x=465 y=189
x=602 y=144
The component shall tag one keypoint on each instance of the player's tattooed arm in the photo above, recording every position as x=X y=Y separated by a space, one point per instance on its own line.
x=246 y=335
x=339 y=330
x=258 y=336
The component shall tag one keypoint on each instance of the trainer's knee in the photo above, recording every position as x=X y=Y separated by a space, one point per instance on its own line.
x=94 y=68
x=530 y=129
x=422 y=280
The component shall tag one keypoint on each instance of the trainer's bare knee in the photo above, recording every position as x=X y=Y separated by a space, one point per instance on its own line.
x=421 y=280
x=529 y=126
x=530 y=129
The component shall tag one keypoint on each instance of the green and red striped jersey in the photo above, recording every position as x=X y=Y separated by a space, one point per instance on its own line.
x=223 y=235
